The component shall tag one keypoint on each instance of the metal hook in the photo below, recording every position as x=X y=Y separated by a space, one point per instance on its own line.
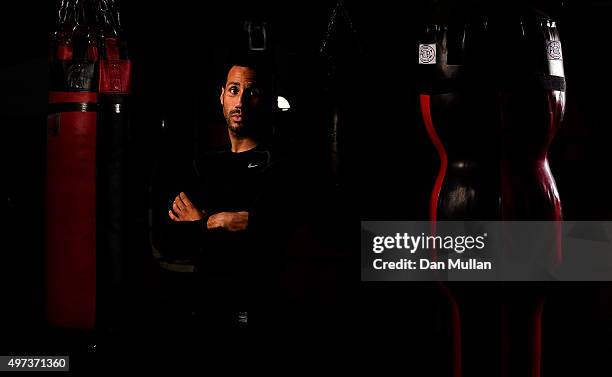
x=260 y=28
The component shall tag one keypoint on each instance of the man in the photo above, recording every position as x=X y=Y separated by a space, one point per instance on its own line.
x=240 y=202
x=240 y=99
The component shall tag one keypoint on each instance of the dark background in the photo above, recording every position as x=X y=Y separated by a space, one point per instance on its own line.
x=386 y=164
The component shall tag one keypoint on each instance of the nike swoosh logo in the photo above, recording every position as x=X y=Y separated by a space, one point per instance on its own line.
x=252 y=165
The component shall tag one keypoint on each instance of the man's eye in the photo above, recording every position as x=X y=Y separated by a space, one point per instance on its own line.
x=254 y=91
x=233 y=90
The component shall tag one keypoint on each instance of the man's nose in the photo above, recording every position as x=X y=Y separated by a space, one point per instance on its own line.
x=243 y=98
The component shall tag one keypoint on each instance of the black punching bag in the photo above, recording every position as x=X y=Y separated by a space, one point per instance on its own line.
x=458 y=104
x=458 y=107
x=113 y=127
x=492 y=97
x=533 y=104
x=532 y=107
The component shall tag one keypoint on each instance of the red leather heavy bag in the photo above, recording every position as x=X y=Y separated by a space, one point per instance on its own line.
x=87 y=133
x=71 y=184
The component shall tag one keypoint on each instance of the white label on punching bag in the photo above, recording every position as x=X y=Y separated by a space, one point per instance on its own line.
x=553 y=49
x=427 y=53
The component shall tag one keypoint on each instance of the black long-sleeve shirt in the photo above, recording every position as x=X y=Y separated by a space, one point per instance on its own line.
x=241 y=269
x=251 y=181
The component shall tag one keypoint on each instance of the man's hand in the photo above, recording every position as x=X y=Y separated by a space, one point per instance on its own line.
x=230 y=221
x=184 y=210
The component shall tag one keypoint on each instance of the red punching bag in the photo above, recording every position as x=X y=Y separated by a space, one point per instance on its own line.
x=71 y=176
x=86 y=165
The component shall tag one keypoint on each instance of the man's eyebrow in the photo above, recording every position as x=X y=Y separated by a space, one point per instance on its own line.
x=233 y=83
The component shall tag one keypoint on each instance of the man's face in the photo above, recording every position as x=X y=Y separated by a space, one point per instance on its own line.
x=241 y=100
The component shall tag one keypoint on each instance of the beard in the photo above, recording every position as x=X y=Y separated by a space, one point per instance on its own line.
x=237 y=128
x=250 y=124
x=234 y=127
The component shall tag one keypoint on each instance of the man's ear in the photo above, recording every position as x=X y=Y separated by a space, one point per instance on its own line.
x=221 y=96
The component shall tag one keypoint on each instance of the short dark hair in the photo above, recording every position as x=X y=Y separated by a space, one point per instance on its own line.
x=261 y=63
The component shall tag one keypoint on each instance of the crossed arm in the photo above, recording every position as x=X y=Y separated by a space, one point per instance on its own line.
x=184 y=210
